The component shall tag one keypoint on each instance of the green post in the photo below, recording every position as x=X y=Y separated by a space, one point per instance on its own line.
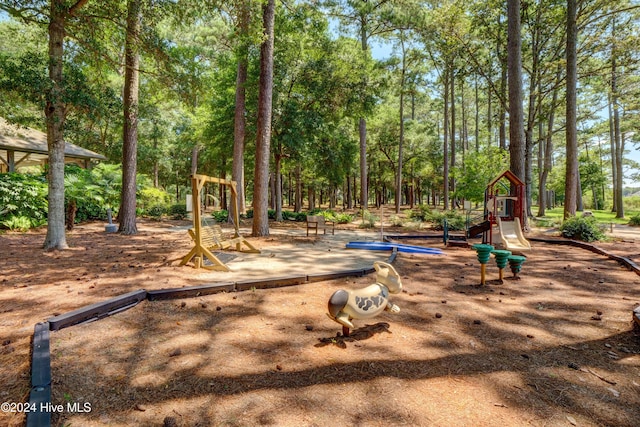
x=484 y=253
x=515 y=263
x=501 y=260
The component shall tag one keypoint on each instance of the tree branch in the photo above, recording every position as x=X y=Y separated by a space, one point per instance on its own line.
x=73 y=9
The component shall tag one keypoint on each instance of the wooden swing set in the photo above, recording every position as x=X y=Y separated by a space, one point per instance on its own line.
x=206 y=238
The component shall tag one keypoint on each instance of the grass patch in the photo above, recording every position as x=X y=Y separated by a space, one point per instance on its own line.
x=601 y=216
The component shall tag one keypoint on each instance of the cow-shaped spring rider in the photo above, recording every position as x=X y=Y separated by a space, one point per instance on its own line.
x=367 y=302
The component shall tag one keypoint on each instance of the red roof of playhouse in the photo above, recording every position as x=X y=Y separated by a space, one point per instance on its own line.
x=509 y=175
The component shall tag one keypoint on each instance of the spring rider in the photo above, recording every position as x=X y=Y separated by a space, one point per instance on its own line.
x=367 y=302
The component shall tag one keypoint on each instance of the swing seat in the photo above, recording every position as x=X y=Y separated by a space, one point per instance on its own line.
x=213 y=238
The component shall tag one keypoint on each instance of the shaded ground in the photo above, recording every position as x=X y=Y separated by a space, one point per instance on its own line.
x=457 y=354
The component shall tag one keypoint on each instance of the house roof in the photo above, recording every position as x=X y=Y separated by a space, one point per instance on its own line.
x=510 y=176
x=26 y=140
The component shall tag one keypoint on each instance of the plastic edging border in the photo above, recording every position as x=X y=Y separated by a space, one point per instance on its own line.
x=40 y=393
x=97 y=310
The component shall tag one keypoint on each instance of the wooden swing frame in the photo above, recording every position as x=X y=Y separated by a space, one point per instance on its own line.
x=201 y=250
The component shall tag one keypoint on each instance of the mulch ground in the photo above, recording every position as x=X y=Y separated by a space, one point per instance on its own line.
x=556 y=347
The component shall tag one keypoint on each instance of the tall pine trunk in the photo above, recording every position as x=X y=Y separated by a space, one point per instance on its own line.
x=477 y=116
x=618 y=144
x=263 y=138
x=502 y=110
x=277 y=195
x=571 y=176
x=55 y=115
x=127 y=212
x=614 y=169
x=298 y=191
x=548 y=148
x=239 y=124
x=401 y=142
x=362 y=131
x=517 y=146
x=445 y=144
x=452 y=83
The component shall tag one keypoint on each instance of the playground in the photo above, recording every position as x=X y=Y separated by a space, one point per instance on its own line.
x=556 y=347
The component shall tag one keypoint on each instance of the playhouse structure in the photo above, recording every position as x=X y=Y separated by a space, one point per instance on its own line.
x=504 y=209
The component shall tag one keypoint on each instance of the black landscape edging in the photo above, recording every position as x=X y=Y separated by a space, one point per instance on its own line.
x=40 y=394
x=97 y=310
x=389 y=237
x=320 y=277
x=41 y=356
x=275 y=282
x=39 y=401
x=190 y=291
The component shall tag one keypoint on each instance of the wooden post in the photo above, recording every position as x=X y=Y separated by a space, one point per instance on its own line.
x=11 y=160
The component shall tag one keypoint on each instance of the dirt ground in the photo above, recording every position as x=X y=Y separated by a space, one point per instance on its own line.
x=554 y=348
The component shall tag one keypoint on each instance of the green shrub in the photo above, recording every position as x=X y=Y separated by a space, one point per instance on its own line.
x=150 y=197
x=368 y=220
x=92 y=191
x=294 y=216
x=582 y=228
x=22 y=196
x=396 y=221
x=455 y=220
x=221 y=215
x=343 y=218
x=108 y=178
x=178 y=211
x=420 y=213
x=270 y=212
x=328 y=215
x=80 y=188
x=635 y=220
x=18 y=223
x=156 y=211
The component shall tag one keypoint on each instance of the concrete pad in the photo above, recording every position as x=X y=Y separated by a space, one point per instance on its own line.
x=301 y=257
